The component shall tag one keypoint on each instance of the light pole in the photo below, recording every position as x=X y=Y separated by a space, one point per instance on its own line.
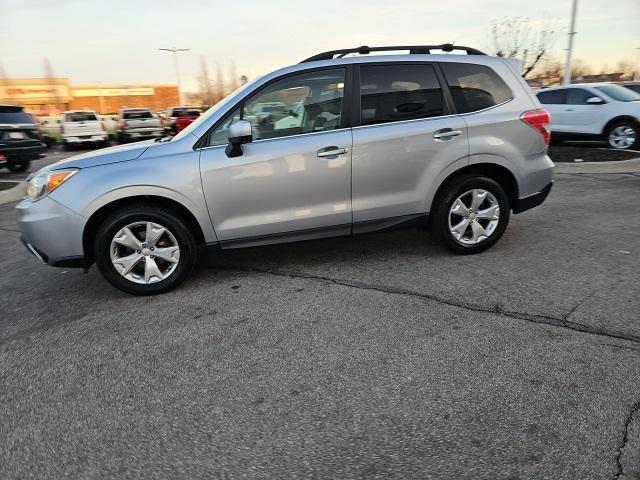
x=175 y=51
x=572 y=32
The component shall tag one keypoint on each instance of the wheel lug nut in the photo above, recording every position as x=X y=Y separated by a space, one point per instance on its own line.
x=152 y=256
x=144 y=245
x=138 y=251
x=153 y=248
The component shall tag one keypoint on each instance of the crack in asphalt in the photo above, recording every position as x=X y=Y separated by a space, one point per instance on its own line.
x=529 y=317
x=619 y=469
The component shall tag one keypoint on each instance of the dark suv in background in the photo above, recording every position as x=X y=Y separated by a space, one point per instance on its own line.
x=20 y=140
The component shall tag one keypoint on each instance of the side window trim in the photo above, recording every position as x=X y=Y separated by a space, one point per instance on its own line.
x=203 y=142
x=356 y=120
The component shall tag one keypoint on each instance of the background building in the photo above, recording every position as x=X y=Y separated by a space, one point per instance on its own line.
x=51 y=96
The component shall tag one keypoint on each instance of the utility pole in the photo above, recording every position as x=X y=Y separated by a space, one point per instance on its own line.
x=175 y=51
x=572 y=32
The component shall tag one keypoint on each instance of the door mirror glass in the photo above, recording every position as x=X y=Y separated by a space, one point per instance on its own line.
x=595 y=101
x=239 y=133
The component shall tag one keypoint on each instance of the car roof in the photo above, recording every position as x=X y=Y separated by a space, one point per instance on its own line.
x=570 y=85
x=79 y=111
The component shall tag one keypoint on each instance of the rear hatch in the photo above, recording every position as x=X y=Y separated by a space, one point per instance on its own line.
x=18 y=132
x=140 y=120
x=81 y=124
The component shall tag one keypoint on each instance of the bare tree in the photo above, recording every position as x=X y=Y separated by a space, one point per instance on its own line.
x=518 y=37
x=234 y=80
x=219 y=87
x=5 y=95
x=550 y=72
x=51 y=79
x=207 y=95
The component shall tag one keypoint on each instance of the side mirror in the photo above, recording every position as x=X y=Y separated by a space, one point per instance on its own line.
x=595 y=101
x=239 y=133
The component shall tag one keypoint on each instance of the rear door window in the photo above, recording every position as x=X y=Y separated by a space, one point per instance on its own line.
x=553 y=97
x=80 y=117
x=475 y=87
x=392 y=93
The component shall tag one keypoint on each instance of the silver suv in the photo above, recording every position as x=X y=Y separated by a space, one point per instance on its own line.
x=361 y=143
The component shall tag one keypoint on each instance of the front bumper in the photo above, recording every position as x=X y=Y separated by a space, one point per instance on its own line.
x=531 y=201
x=51 y=232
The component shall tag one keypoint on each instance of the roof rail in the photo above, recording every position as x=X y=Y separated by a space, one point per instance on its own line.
x=413 y=49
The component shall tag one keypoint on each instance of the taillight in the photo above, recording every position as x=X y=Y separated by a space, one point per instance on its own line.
x=539 y=120
x=125 y=124
x=62 y=128
x=102 y=126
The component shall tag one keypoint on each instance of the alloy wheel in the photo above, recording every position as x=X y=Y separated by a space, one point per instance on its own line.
x=623 y=136
x=474 y=216
x=144 y=252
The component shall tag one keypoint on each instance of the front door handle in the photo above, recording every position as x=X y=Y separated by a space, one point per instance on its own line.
x=446 y=134
x=331 y=152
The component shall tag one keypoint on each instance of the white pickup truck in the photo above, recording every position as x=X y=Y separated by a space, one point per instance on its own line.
x=82 y=127
x=137 y=124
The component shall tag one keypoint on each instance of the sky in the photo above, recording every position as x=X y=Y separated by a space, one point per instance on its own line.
x=114 y=41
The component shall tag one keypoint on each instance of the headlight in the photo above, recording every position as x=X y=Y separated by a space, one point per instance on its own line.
x=47 y=182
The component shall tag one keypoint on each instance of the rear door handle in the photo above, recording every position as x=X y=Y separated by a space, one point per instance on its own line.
x=446 y=133
x=331 y=151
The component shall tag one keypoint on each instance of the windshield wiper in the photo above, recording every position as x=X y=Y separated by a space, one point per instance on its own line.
x=166 y=138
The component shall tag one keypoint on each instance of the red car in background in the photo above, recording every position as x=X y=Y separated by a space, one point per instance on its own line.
x=186 y=118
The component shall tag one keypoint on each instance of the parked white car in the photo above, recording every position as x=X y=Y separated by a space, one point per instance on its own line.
x=82 y=127
x=593 y=111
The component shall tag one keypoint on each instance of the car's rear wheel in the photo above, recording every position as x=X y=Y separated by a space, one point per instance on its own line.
x=470 y=215
x=17 y=167
x=624 y=134
x=144 y=250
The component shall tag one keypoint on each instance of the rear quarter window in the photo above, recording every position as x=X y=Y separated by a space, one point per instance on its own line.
x=475 y=87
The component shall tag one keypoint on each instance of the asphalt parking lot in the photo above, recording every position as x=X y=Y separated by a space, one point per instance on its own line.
x=379 y=356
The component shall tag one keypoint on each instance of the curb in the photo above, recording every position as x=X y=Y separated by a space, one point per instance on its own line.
x=13 y=194
x=621 y=166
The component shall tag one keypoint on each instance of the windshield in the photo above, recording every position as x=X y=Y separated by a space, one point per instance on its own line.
x=619 y=93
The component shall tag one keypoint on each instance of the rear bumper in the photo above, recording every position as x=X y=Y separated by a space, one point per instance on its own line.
x=8 y=155
x=142 y=133
x=531 y=201
x=85 y=138
x=51 y=232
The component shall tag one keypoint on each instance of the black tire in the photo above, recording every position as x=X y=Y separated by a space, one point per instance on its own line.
x=17 y=167
x=145 y=213
x=624 y=123
x=439 y=218
x=67 y=146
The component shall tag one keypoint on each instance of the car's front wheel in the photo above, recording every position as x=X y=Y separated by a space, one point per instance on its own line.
x=470 y=214
x=144 y=250
x=623 y=135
